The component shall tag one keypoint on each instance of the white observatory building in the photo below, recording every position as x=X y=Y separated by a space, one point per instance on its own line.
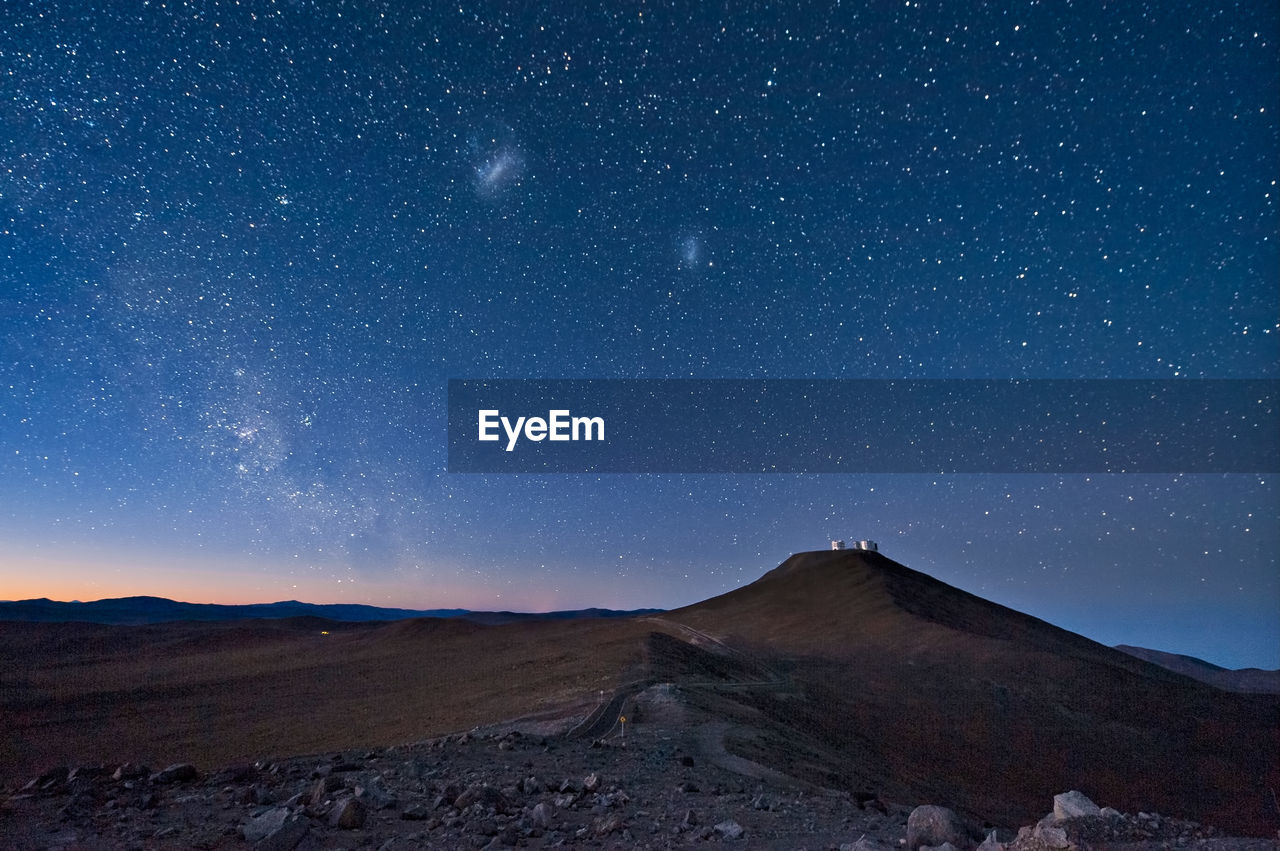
x=865 y=546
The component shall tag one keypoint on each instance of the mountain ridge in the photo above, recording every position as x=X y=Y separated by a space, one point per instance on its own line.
x=1247 y=680
x=148 y=609
x=985 y=706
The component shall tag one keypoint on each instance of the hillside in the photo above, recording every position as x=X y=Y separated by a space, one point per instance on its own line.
x=1249 y=680
x=836 y=671
x=911 y=684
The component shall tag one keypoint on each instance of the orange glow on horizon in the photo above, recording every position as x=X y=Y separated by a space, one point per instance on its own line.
x=88 y=577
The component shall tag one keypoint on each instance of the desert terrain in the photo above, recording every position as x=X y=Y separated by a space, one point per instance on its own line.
x=817 y=706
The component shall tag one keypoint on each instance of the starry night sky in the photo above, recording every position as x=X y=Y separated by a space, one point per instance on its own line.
x=244 y=245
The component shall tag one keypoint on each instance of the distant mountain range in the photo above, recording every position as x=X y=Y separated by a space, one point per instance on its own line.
x=151 y=610
x=126 y=611
x=1253 y=680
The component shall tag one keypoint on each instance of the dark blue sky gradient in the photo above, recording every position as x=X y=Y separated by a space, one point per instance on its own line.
x=243 y=247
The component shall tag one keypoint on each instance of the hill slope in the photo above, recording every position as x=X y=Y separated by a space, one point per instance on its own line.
x=913 y=685
x=839 y=669
x=1252 y=680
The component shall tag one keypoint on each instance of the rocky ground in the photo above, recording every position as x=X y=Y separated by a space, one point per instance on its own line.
x=507 y=788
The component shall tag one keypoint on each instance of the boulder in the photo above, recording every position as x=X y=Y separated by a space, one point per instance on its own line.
x=931 y=825
x=130 y=771
x=375 y=794
x=263 y=825
x=1052 y=837
x=320 y=792
x=292 y=832
x=606 y=825
x=484 y=795
x=729 y=829
x=180 y=772
x=1073 y=804
x=540 y=816
x=348 y=814
x=86 y=772
x=991 y=843
x=51 y=779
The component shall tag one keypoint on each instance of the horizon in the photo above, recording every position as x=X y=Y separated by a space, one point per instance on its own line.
x=245 y=258
x=1225 y=661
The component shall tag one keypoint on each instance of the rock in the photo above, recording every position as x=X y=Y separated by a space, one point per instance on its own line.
x=933 y=825
x=255 y=794
x=275 y=830
x=130 y=771
x=991 y=843
x=1073 y=804
x=238 y=773
x=606 y=825
x=591 y=782
x=51 y=779
x=181 y=772
x=323 y=788
x=531 y=786
x=348 y=814
x=263 y=825
x=1052 y=837
x=483 y=794
x=86 y=772
x=1110 y=812
x=687 y=787
x=540 y=816
x=375 y=794
x=482 y=827
x=415 y=812
x=729 y=829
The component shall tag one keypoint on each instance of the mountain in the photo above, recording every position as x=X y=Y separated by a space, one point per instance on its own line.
x=144 y=610
x=1254 y=680
x=912 y=687
x=837 y=670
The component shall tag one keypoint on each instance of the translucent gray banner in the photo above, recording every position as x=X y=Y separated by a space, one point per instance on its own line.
x=864 y=426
